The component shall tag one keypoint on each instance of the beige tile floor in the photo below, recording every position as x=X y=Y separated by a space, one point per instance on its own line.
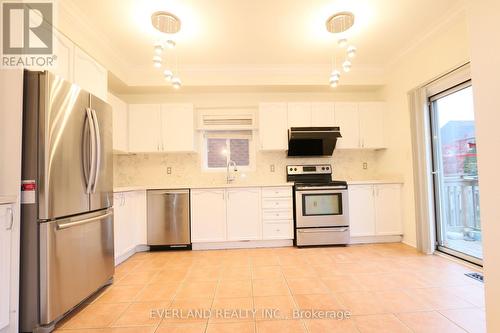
x=386 y=287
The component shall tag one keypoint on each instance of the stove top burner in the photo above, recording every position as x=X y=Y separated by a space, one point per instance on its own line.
x=312 y=175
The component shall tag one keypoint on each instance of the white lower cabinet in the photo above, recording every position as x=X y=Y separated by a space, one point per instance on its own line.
x=130 y=228
x=278 y=230
x=208 y=215
x=388 y=212
x=277 y=213
x=6 y=224
x=361 y=210
x=243 y=214
x=375 y=210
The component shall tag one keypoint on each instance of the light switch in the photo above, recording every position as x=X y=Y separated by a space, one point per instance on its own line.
x=169 y=170
x=365 y=165
x=271 y=167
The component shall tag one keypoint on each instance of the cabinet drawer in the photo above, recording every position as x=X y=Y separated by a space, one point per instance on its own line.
x=277 y=214
x=276 y=192
x=278 y=230
x=276 y=203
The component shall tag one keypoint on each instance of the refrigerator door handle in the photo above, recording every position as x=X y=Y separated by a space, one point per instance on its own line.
x=92 y=151
x=61 y=226
x=98 y=150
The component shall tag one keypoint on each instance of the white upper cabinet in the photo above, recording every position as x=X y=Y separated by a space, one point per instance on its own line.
x=120 y=124
x=388 y=209
x=243 y=214
x=361 y=210
x=322 y=114
x=371 y=124
x=273 y=129
x=299 y=114
x=208 y=215
x=90 y=75
x=347 y=118
x=177 y=127
x=144 y=128
x=64 y=50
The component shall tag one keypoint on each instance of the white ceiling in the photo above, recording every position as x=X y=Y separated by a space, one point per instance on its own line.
x=236 y=36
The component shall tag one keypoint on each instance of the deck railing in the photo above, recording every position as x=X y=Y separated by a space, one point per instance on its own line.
x=461 y=202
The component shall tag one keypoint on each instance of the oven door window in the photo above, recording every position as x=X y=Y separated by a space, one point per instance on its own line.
x=321 y=204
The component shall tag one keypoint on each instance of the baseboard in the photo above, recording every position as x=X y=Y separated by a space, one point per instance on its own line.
x=412 y=245
x=242 y=244
x=376 y=239
x=130 y=252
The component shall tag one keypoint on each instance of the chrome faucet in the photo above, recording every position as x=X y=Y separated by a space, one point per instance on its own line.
x=229 y=174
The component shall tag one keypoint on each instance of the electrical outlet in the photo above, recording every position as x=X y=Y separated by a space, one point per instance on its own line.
x=365 y=165
x=271 y=167
x=169 y=170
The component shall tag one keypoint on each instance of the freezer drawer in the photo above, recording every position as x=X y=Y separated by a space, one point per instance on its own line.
x=168 y=217
x=76 y=259
x=322 y=236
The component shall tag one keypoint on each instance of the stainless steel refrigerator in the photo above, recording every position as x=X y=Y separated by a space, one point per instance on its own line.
x=67 y=249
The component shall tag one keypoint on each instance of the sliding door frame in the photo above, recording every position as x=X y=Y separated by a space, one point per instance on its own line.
x=435 y=147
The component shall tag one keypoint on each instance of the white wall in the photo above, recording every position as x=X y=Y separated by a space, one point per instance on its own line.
x=446 y=48
x=484 y=18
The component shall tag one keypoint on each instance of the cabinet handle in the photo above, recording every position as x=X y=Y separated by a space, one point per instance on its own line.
x=11 y=219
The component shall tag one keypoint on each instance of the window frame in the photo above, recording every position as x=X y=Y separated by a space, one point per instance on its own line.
x=228 y=135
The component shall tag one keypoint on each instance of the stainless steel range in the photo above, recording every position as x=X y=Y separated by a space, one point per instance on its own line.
x=321 y=206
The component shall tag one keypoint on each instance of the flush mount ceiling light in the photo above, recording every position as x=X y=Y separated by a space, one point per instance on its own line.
x=166 y=22
x=338 y=24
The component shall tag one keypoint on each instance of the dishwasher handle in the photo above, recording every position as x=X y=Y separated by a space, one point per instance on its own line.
x=168 y=192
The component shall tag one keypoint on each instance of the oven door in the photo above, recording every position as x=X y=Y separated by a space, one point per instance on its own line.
x=321 y=208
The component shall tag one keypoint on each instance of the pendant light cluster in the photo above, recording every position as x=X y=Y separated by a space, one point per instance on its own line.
x=338 y=24
x=165 y=54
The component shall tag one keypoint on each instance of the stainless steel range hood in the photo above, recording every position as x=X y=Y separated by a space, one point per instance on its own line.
x=312 y=141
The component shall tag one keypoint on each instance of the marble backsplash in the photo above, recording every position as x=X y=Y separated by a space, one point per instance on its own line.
x=187 y=170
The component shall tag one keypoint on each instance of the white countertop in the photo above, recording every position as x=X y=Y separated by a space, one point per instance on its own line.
x=374 y=181
x=232 y=185
x=236 y=185
x=7 y=199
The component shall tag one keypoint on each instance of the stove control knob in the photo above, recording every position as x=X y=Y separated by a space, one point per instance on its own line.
x=295 y=169
x=327 y=168
x=291 y=169
x=322 y=168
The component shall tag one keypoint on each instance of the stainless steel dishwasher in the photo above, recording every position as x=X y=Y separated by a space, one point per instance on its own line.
x=168 y=219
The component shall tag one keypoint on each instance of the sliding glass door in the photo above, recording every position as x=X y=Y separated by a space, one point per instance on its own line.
x=458 y=226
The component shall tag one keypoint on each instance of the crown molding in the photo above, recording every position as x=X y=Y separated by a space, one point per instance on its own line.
x=444 y=21
x=94 y=42
x=251 y=75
